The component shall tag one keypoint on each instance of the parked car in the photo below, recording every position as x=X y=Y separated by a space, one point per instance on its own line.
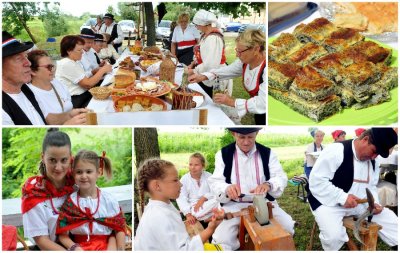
x=249 y=26
x=233 y=27
x=163 y=29
x=128 y=26
x=89 y=23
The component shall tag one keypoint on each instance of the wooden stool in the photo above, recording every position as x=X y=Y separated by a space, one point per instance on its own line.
x=253 y=236
x=369 y=235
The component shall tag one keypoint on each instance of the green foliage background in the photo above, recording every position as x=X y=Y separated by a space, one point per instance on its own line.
x=22 y=149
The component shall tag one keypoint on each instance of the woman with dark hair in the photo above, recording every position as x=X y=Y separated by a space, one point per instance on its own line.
x=71 y=73
x=49 y=91
x=43 y=195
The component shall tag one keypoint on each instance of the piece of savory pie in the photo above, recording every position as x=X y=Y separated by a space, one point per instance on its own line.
x=307 y=54
x=281 y=75
x=341 y=39
x=316 y=31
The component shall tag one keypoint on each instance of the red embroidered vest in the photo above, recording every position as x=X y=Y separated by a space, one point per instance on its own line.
x=196 y=48
x=254 y=92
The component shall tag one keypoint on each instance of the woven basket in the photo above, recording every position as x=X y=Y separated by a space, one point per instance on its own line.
x=100 y=93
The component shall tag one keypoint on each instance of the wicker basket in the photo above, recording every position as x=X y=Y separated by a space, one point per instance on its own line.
x=100 y=93
x=183 y=100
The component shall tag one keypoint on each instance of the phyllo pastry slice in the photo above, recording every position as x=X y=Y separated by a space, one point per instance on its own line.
x=372 y=51
x=281 y=75
x=283 y=46
x=358 y=77
x=316 y=31
x=315 y=110
x=329 y=66
x=341 y=39
x=311 y=86
x=307 y=54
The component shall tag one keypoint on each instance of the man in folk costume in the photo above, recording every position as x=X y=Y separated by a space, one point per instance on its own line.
x=112 y=28
x=251 y=66
x=246 y=167
x=340 y=177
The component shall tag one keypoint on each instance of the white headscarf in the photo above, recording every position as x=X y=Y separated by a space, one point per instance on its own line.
x=203 y=17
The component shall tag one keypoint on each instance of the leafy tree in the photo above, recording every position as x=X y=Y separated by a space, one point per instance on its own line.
x=236 y=9
x=16 y=16
x=127 y=11
x=54 y=22
x=175 y=9
x=110 y=9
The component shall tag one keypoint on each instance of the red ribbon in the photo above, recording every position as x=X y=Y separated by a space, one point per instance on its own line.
x=102 y=159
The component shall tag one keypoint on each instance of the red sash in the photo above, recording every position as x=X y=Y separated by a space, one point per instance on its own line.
x=196 y=48
x=187 y=43
x=38 y=189
x=254 y=91
x=71 y=216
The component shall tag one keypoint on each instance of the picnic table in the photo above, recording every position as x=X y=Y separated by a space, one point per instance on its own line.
x=208 y=113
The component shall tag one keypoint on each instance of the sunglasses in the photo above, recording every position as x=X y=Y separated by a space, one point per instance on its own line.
x=50 y=67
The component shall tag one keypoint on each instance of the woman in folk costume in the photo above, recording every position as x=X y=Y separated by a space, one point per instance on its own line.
x=161 y=226
x=43 y=195
x=90 y=215
x=315 y=146
x=251 y=65
x=184 y=38
x=210 y=52
x=195 y=199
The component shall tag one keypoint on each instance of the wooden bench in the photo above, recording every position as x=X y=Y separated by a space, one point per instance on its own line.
x=369 y=235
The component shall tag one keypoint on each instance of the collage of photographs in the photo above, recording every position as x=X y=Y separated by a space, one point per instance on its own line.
x=149 y=126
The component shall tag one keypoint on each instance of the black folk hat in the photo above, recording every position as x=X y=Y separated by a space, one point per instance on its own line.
x=383 y=139
x=98 y=37
x=87 y=33
x=11 y=46
x=244 y=130
x=109 y=15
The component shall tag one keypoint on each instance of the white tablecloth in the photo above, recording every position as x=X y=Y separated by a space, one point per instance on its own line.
x=215 y=115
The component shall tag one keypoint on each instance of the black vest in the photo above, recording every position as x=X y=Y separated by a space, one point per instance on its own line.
x=15 y=112
x=114 y=34
x=344 y=175
x=227 y=156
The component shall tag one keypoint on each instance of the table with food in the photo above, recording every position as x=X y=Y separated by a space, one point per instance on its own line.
x=150 y=87
x=333 y=64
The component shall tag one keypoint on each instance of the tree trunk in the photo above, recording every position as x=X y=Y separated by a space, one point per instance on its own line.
x=150 y=24
x=23 y=23
x=146 y=146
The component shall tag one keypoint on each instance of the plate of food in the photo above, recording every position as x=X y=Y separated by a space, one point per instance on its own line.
x=127 y=63
x=149 y=86
x=136 y=103
x=378 y=20
x=147 y=63
x=325 y=75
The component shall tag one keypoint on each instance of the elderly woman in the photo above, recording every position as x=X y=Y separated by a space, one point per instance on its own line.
x=210 y=52
x=184 y=38
x=316 y=146
x=51 y=92
x=43 y=195
x=250 y=49
x=71 y=73
x=108 y=52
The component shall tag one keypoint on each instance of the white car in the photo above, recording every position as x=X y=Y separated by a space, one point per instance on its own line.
x=163 y=29
x=128 y=26
x=89 y=23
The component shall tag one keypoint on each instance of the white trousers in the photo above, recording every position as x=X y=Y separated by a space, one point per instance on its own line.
x=333 y=234
x=227 y=232
x=205 y=212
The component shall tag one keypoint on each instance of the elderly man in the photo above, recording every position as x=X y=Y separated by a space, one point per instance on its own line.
x=20 y=106
x=246 y=167
x=98 y=45
x=88 y=60
x=112 y=28
x=339 y=178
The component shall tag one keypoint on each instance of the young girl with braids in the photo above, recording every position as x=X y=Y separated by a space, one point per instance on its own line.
x=91 y=216
x=196 y=200
x=161 y=226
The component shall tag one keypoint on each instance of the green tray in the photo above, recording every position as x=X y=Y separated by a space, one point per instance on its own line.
x=378 y=115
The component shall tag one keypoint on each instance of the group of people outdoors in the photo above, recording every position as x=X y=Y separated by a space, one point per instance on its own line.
x=36 y=91
x=39 y=91
x=63 y=208
x=339 y=177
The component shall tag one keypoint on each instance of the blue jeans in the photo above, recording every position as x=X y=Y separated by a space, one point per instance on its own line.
x=307 y=170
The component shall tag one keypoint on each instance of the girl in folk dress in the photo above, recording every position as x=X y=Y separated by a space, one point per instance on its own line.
x=196 y=200
x=91 y=215
x=161 y=226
